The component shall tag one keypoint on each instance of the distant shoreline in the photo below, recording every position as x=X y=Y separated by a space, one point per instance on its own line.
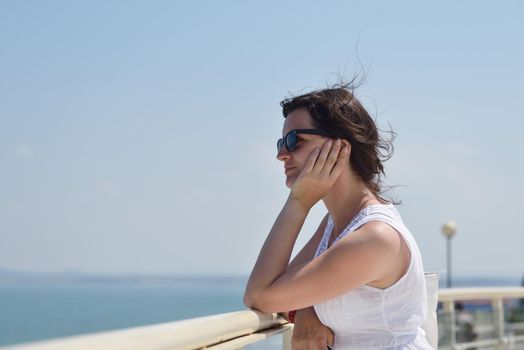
x=24 y=277
x=10 y=277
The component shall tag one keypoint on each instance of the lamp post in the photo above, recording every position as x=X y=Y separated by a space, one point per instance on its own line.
x=448 y=230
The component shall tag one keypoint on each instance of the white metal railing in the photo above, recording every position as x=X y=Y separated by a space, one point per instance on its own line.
x=218 y=332
x=236 y=330
x=505 y=336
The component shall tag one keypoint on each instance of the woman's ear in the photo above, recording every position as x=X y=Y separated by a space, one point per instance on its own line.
x=346 y=143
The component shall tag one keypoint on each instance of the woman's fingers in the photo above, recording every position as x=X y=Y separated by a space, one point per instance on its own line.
x=320 y=172
x=310 y=164
x=331 y=158
x=342 y=160
x=322 y=157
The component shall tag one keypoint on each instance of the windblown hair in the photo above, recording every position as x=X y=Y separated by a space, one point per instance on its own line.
x=339 y=113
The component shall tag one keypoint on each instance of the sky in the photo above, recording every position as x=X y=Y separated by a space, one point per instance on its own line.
x=139 y=136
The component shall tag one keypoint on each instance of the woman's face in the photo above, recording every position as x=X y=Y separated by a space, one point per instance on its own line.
x=294 y=161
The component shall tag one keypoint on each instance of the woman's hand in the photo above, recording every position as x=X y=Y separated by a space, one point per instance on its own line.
x=309 y=333
x=322 y=169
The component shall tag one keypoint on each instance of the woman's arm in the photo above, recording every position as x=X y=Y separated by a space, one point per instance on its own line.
x=274 y=257
x=317 y=176
x=307 y=252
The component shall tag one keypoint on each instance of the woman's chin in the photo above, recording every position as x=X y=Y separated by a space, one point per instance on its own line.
x=290 y=180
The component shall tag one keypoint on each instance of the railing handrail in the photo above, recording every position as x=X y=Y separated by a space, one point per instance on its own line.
x=483 y=293
x=223 y=331
x=185 y=334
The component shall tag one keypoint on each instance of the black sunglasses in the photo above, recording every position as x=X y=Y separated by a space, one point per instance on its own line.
x=290 y=140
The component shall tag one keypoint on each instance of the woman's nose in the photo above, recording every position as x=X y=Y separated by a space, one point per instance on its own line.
x=283 y=154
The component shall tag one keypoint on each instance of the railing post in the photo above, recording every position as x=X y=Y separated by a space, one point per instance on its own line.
x=286 y=339
x=449 y=308
x=498 y=311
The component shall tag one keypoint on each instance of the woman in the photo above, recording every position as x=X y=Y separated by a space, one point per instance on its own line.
x=360 y=277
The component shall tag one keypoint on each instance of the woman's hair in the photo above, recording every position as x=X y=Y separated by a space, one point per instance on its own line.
x=339 y=113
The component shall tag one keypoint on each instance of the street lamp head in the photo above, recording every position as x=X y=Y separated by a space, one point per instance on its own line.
x=449 y=229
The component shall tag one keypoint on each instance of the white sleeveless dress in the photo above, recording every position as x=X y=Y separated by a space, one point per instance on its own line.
x=374 y=318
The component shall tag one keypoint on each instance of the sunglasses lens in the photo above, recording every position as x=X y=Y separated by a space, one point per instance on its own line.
x=291 y=141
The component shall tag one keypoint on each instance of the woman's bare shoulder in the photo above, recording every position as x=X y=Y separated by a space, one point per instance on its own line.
x=376 y=235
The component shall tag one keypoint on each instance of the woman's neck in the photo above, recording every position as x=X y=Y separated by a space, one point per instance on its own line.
x=347 y=197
